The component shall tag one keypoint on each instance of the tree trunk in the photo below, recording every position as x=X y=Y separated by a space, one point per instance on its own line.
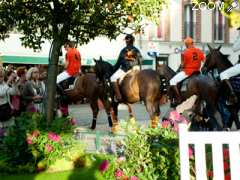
x=51 y=78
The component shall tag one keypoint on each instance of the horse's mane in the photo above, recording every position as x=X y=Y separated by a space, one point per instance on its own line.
x=225 y=59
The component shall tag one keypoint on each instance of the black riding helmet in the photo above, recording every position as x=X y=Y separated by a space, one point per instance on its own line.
x=129 y=37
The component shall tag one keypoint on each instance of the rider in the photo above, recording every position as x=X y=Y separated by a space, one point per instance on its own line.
x=190 y=63
x=129 y=57
x=232 y=71
x=72 y=62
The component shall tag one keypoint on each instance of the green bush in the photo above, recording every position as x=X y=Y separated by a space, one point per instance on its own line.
x=150 y=154
x=30 y=142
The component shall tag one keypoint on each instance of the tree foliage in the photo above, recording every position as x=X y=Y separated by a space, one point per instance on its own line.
x=81 y=20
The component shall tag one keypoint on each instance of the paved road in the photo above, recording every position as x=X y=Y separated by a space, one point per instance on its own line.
x=83 y=114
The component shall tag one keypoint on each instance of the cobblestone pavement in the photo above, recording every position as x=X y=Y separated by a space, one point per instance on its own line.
x=83 y=114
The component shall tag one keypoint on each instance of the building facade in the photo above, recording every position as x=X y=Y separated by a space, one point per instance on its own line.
x=178 y=21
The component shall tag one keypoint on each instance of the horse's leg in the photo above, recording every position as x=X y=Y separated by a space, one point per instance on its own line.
x=107 y=107
x=95 y=110
x=234 y=117
x=154 y=112
x=114 y=113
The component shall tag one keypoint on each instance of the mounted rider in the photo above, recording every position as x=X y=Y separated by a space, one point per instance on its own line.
x=232 y=71
x=129 y=57
x=72 y=62
x=191 y=61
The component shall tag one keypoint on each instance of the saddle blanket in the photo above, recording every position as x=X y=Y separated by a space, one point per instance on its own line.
x=235 y=81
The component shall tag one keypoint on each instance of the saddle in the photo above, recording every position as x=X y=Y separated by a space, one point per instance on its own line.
x=182 y=86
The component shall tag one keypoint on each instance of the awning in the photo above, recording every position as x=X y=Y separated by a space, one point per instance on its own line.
x=44 y=60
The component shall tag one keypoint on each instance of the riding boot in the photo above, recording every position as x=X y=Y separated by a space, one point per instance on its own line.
x=232 y=97
x=177 y=98
x=60 y=89
x=117 y=91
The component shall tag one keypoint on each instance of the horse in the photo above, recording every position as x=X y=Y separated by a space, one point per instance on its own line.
x=216 y=60
x=86 y=86
x=202 y=86
x=144 y=85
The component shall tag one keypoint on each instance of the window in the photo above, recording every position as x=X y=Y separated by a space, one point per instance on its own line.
x=156 y=31
x=219 y=25
x=189 y=22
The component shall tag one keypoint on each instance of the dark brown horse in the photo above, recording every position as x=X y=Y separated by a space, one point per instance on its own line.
x=202 y=86
x=136 y=86
x=86 y=86
x=216 y=60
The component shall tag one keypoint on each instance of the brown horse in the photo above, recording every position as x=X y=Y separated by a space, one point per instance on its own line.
x=86 y=86
x=216 y=60
x=136 y=86
x=200 y=85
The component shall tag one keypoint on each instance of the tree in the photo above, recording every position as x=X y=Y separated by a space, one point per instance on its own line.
x=82 y=20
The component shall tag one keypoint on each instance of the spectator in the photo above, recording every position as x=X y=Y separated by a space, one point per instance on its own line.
x=33 y=91
x=5 y=92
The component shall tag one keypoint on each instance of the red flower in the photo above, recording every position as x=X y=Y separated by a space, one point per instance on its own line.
x=225 y=154
x=54 y=137
x=103 y=166
x=35 y=133
x=118 y=173
x=227 y=176
x=226 y=166
x=48 y=148
x=210 y=174
x=165 y=124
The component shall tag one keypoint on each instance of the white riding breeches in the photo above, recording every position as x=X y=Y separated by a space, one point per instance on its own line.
x=62 y=76
x=236 y=44
x=230 y=72
x=177 y=78
x=118 y=74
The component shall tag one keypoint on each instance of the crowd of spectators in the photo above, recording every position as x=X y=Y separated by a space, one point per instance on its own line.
x=21 y=89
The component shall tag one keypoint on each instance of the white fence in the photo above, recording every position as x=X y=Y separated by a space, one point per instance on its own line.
x=216 y=139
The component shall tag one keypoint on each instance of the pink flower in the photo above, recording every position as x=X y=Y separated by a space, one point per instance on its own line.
x=118 y=173
x=121 y=159
x=174 y=115
x=190 y=152
x=133 y=178
x=64 y=110
x=165 y=124
x=49 y=148
x=54 y=137
x=73 y=121
x=103 y=166
x=29 y=139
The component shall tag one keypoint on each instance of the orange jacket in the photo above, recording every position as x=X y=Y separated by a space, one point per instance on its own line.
x=74 y=61
x=192 y=59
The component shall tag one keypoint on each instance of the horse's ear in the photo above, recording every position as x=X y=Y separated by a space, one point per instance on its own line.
x=209 y=47
x=94 y=60
x=100 y=59
x=219 y=48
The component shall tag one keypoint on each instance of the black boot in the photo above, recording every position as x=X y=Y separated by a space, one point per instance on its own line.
x=117 y=91
x=177 y=97
x=232 y=97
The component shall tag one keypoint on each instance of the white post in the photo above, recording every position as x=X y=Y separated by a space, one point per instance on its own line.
x=184 y=152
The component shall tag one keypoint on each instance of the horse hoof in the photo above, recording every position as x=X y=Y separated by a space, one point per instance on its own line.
x=93 y=127
x=115 y=129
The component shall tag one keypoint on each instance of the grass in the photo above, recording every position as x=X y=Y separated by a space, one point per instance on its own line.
x=89 y=172
x=76 y=174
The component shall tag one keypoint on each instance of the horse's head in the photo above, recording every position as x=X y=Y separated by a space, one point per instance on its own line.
x=165 y=71
x=215 y=59
x=102 y=69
